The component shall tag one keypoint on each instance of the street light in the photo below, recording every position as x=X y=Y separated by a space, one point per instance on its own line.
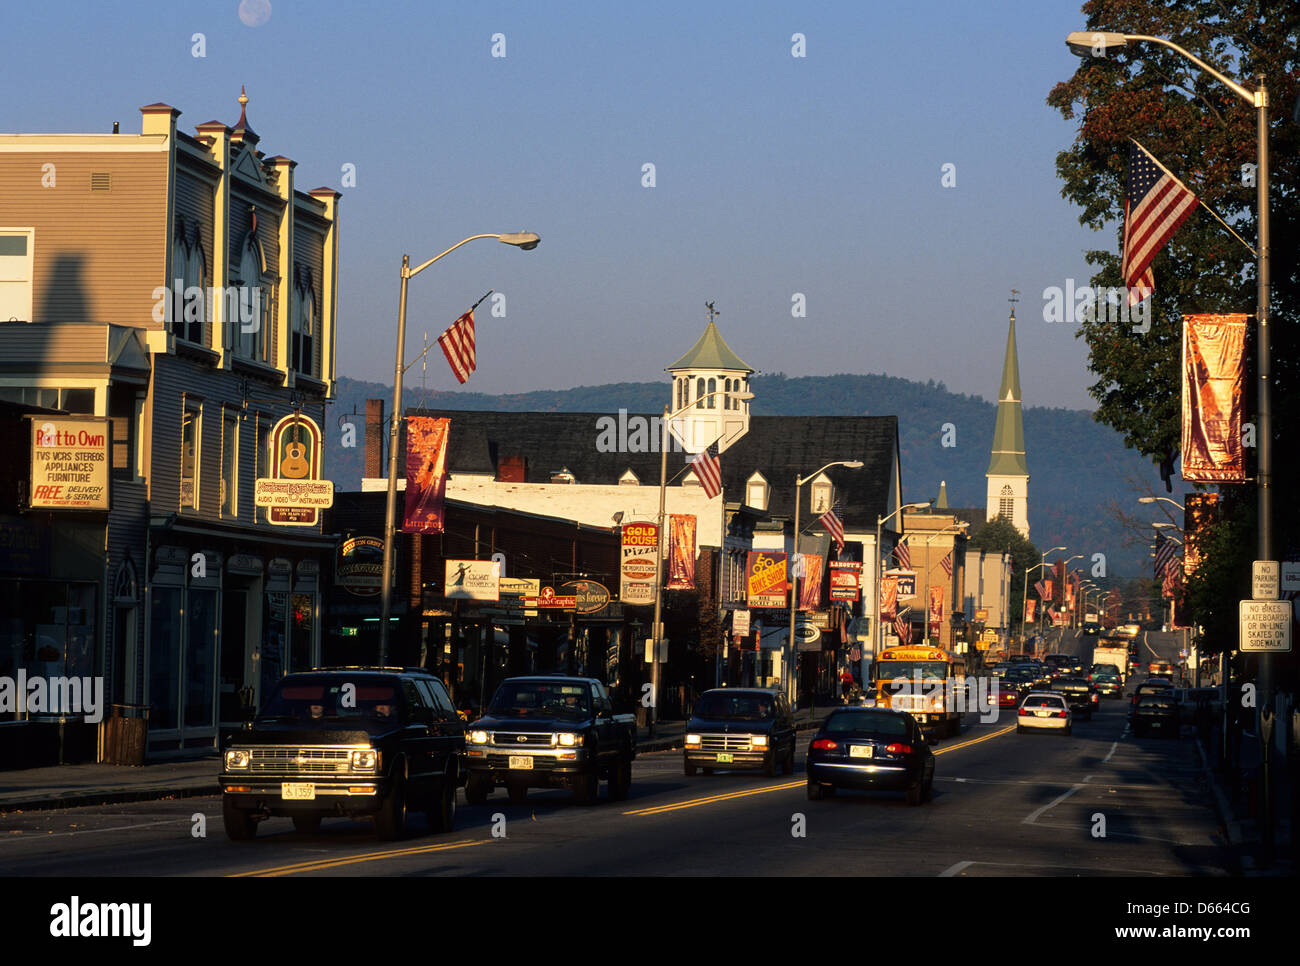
x=1084 y=44
x=787 y=664
x=1065 y=576
x=656 y=634
x=525 y=240
x=1024 y=604
x=879 y=636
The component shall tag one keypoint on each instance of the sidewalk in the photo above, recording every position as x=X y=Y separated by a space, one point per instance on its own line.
x=1237 y=806
x=69 y=786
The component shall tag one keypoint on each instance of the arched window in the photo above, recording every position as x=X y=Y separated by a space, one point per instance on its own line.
x=713 y=400
x=253 y=316
x=726 y=399
x=1007 y=505
x=176 y=284
x=304 y=325
x=196 y=308
x=699 y=393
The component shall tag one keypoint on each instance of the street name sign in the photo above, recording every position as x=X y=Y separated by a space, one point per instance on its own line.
x=1265 y=626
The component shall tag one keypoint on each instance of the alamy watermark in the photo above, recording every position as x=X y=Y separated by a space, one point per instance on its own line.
x=1075 y=304
x=191 y=303
x=56 y=695
x=632 y=434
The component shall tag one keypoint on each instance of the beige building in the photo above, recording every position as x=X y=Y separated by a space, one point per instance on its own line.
x=933 y=537
x=181 y=287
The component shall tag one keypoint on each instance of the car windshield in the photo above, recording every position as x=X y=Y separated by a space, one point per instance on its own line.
x=912 y=670
x=542 y=699
x=333 y=700
x=1043 y=701
x=1163 y=701
x=740 y=705
x=866 y=724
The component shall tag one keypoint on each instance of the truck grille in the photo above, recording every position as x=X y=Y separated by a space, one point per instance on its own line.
x=511 y=739
x=314 y=760
x=724 y=742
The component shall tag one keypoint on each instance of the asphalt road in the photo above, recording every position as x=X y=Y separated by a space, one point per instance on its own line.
x=1004 y=804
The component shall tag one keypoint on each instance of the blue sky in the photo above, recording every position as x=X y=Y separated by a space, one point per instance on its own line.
x=775 y=175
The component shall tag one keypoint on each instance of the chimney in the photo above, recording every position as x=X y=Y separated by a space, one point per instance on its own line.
x=375 y=439
x=512 y=469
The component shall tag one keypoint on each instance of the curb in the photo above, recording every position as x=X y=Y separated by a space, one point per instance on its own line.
x=111 y=796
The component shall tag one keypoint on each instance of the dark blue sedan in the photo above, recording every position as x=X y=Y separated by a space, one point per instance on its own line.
x=870 y=748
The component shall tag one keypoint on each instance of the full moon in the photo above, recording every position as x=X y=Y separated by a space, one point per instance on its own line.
x=254 y=13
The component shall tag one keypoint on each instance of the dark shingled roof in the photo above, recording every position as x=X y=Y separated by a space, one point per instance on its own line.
x=780 y=447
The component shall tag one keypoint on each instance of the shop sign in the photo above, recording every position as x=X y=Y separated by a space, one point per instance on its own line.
x=69 y=463
x=473 y=580
x=639 y=562
x=589 y=596
x=360 y=566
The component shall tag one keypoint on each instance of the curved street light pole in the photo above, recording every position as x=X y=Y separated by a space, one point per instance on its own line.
x=788 y=665
x=1097 y=43
x=525 y=240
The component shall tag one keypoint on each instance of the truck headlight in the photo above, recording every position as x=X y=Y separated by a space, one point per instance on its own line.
x=569 y=739
x=364 y=760
x=237 y=760
x=478 y=737
x=692 y=741
x=758 y=741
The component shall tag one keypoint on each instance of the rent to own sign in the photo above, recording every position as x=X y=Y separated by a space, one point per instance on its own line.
x=69 y=463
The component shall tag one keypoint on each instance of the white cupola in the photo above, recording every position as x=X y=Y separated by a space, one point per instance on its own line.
x=709 y=367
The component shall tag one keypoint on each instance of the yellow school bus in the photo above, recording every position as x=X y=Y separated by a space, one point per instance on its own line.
x=927 y=682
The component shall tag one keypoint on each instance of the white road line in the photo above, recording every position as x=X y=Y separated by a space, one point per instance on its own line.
x=953 y=870
x=111 y=828
x=1111 y=752
x=1033 y=816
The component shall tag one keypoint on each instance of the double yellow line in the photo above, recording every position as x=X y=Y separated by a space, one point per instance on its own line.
x=317 y=865
x=976 y=741
x=660 y=809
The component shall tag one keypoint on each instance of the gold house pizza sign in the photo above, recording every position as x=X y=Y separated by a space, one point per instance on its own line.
x=295 y=494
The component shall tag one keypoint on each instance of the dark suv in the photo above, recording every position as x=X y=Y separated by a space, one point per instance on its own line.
x=1082 y=696
x=346 y=742
x=740 y=728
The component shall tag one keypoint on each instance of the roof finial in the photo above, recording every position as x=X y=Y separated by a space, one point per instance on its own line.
x=1013 y=300
x=243 y=103
x=713 y=313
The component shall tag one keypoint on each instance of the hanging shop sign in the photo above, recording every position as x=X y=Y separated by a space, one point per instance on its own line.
x=70 y=458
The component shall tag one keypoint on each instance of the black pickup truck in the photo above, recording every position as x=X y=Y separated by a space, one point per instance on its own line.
x=549 y=731
x=346 y=742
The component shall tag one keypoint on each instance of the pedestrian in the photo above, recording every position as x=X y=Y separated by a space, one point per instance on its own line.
x=846 y=685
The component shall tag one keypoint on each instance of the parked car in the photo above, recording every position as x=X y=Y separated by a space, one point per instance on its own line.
x=1044 y=710
x=350 y=742
x=1156 y=711
x=550 y=731
x=739 y=728
x=870 y=748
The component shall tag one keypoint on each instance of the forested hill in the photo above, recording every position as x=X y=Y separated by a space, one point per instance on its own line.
x=1077 y=466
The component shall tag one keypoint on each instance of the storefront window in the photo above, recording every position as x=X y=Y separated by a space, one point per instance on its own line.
x=47 y=630
x=301 y=621
x=164 y=657
x=200 y=663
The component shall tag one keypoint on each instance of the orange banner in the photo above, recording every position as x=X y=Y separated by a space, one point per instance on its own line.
x=426 y=474
x=888 y=598
x=810 y=582
x=1213 y=382
x=934 y=626
x=681 y=552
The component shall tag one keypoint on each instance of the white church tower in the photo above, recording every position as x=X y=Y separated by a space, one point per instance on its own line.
x=1008 y=473
x=709 y=367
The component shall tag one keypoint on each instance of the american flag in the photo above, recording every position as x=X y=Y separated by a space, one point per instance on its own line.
x=1155 y=205
x=834 y=527
x=904 y=554
x=1165 y=550
x=458 y=346
x=946 y=563
x=1172 y=578
x=903 y=627
x=709 y=470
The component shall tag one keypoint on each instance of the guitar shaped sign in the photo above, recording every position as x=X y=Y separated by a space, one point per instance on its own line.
x=295 y=494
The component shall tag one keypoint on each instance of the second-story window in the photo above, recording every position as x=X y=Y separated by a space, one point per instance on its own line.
x=191 y=422
x=304 y=325
x=252 y=320
x=188 y=284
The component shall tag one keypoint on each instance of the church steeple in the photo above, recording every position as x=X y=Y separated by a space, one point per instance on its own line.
x=701 y=378
x=1008 y=472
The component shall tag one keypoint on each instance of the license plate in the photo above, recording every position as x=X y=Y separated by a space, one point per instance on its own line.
x=726 y=758
x=521 y=761
x=1043 y=714
x=861 y=751
x=298 y=791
